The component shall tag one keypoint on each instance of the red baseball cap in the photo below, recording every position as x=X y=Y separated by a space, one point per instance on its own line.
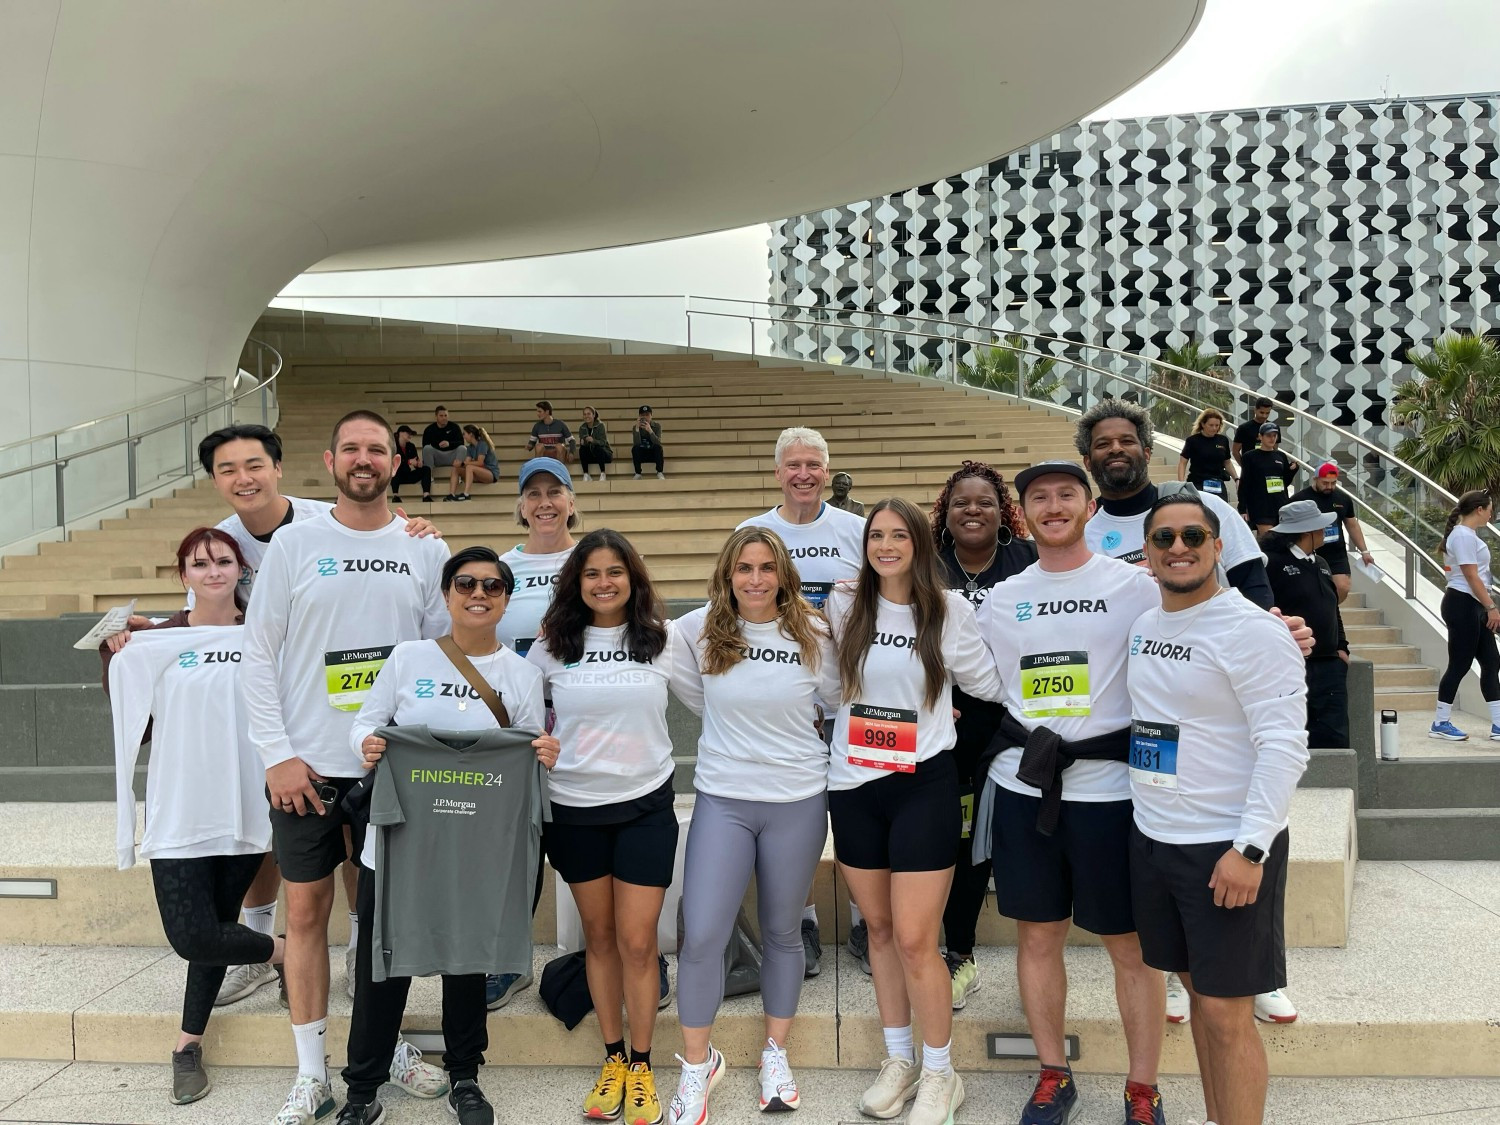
x=1328 y=469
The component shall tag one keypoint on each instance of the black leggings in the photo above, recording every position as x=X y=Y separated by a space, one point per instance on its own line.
x=199 y=901
x=971 y=882
x=379 y=1007
x=654 y=455
x=1468 y=641
x=406 y=475
x=593 y=455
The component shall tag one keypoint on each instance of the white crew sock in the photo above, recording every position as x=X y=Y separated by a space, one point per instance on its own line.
x=937 y=1059
x=855 y=917
x=353 y=930
x=312 y=1059
x=1444 y=712
x=898 y=1043
x=810 y=914
x=1495 y=712
x=261 y=919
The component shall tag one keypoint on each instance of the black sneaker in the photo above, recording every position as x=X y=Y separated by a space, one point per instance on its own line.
x=1053 y=1100
x=812 y=948
x=666 y=983
x=353 y=1114
x=450 y=498
x=859 y=945
x=189 y=1079
x=427 y=498
x=395 y=498
x=466 y=1101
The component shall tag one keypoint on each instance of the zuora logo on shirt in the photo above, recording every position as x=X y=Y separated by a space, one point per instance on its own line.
x=1054 y=609
x=213 y=656
x=814 y=552
x=187 y=660
x=1023 y=611
x=329 y=567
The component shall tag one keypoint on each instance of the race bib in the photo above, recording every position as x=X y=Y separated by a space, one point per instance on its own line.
x=1331 y=532
x=350 y=673
x=966 y=810
x=1153 y=753
x=1214 y=485
x=883 y=738
x=1054 y=683
x=1275 y=485
x=816 y=592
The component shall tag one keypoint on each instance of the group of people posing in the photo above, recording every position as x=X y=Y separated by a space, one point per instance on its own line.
x=989 y=688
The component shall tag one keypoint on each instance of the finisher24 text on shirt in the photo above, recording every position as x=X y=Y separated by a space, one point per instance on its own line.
x=335 y=595
x=826 y=544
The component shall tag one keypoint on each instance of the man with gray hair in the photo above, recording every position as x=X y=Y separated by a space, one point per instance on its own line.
x=1114 y=439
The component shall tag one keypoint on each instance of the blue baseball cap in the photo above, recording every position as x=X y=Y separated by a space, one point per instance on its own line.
x=543 y=465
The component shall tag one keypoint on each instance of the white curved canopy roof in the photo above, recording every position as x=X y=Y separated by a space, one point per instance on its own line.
x=166 y=166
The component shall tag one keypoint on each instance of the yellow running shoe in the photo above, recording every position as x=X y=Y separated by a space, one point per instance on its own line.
x=608 y=1095
x=642 y=1107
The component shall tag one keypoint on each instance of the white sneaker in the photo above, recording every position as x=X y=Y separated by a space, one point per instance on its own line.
x=602 y=476
x=689 y=1106
x=894 y=1086
x=1274 y=1007
x=1179 y=1010
x=241 y=980
x=939 y=1094
x=778 y=1089
x=637 y=476
x=419 y=1079
x=661 y=476
x=351 y=974
x=309 y=1101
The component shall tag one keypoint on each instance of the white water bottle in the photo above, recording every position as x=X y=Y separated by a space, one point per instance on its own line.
x=1390 y=737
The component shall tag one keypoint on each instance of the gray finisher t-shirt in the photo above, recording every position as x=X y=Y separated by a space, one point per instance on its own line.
x=458 y=821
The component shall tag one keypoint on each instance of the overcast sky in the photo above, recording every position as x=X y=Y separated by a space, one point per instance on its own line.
x=1268 y=52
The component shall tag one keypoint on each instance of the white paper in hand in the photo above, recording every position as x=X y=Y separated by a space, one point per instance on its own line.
x=1369 y=570
x=112 y=622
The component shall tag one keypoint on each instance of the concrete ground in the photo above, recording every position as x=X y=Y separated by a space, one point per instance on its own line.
x=1415 y=743
x=107 y=1094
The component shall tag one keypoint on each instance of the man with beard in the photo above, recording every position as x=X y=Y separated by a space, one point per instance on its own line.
x=1329 y=497
x=1217 y=746
x=334 y=594
x=1055 y=810
x=1114 y=439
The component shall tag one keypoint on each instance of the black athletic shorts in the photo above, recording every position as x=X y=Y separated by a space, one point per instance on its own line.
x=900 y=821
x=640 y=850
x=1338 y=561
x=1081 y=871
x=311 y=847
x=1239 y=952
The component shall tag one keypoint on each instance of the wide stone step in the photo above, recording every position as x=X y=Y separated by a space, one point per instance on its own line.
x=1405 y=676
x=1413 y=994
x=1431 y=833
x=1405 y=699
x=73 y=845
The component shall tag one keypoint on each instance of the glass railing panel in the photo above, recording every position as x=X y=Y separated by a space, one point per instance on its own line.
x=95 y=480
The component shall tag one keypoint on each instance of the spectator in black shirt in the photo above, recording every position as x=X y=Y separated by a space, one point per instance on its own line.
x=1247 y=434
x=550 y=437
x=443 y=442
x=1206 y=456
x=1304 y=587
x=1265 y=476
x=645 y=443
x=409 y=467
x=1329 y=497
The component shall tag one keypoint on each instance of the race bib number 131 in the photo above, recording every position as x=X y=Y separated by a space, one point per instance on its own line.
x=883 y=738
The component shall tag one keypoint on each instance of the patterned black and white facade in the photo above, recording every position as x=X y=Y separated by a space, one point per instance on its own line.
x=1310 y=245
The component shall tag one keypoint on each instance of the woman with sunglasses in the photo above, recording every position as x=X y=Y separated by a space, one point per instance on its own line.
x=207 y=826
x=980 y=535
x=903 y=642
x=756 y=663
x=477 y=588
x=606 y=653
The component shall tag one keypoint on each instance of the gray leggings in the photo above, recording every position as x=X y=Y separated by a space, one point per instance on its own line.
x=727 y=840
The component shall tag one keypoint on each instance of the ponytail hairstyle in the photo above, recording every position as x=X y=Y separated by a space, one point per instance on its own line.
x=799 y=622
x=479 y=432
x=928 y=608
x=1469 y=503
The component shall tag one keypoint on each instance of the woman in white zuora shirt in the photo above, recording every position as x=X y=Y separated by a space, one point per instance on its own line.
x=903 y=641
x=1470 y=612
x=545 y=508
x=605 y=652
x=756 y=662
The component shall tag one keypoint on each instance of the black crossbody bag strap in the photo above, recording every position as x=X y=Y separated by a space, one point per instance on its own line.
x=476 y=681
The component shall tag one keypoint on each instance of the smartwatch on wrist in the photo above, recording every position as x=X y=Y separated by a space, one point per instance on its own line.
x=1253 y=854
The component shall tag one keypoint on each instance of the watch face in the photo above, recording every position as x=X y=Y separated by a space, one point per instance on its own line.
x=1252 y=853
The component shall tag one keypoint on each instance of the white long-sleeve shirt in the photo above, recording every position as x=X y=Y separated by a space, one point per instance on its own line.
x=611 y=720
x=1219 y=712
x=330 y=604
x=894 y=686
x=419 y=686
x=759 y=741
x=205 y=785
x=536 y=579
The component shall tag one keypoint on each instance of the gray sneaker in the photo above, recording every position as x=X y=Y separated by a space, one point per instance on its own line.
x=241 y=980
x=859 y=945
x=350 y=972
x=189 y=1079
x=812 y=948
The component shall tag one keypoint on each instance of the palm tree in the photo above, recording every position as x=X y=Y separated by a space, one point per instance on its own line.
x=1008 y=369
x=1171 y=417
x=1453 y=408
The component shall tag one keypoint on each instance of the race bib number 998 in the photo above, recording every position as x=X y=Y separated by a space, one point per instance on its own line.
x=883 y=738
x=350 y=674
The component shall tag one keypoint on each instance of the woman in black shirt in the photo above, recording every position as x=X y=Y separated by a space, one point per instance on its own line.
x=1205 y=456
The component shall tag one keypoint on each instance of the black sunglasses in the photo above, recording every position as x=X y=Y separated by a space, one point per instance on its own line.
x=465 y=584
x=1192 y=535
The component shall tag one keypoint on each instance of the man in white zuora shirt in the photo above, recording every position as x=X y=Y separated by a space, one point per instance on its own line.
x=1218 y=743
x=334 y=594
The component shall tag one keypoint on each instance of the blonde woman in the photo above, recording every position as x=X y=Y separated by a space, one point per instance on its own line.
x=481 y=467
x=1206 y=461
x=756 y=663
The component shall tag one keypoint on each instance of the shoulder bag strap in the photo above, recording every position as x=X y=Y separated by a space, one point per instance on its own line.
x=476 y=681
